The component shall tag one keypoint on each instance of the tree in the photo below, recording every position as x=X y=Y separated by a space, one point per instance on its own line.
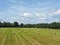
x=22 y=25
x=16 y=24
x=0 y=24
x=53 y=25
x=28 y=25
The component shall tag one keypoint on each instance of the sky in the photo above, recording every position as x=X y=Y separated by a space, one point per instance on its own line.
x=30 y=11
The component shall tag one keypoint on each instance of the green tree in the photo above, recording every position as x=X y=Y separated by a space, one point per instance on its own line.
x=16 y=24
x=22 y=25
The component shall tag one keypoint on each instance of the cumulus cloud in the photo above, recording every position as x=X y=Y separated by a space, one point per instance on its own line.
x=54 y=12
x=14 y=18
x=27 y=15
x=41 y=15
x=57 y=12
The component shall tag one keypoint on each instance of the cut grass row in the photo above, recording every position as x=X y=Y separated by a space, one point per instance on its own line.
x=31 y=40
x=28 y=36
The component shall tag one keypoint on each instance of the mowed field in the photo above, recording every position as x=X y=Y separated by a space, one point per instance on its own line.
x=29 y=36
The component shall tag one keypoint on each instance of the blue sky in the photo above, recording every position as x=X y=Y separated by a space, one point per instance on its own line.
x=30 y=11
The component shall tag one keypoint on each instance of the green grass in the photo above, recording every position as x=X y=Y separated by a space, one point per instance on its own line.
x=29 y=36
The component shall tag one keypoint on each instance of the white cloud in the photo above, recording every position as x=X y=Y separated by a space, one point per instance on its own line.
x=52 y=12
x=26 y=14
x=14 y=18
x=57 y=12
x=23 y=18
x=30 y=13
x=54 y=20
x=41 y=16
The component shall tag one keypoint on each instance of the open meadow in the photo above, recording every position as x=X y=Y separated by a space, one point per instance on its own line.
x=29 y=36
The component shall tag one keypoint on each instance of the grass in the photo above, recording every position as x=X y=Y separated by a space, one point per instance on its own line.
x=28 y=36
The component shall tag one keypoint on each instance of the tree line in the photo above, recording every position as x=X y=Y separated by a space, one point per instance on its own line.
x=53 y=25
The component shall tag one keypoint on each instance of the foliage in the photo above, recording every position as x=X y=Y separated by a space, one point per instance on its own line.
x=54 y=25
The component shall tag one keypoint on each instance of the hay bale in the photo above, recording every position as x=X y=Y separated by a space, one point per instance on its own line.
x=37 y=32
x=51 y=31
x=54 y=32
x=13 y=32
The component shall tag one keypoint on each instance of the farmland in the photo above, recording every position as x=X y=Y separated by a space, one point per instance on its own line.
x=29 y=36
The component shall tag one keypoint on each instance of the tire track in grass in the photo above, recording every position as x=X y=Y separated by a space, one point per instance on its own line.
x=11 y=39
x=28 y=39
x=16 y=40
x=25 y=40
x=4 y=39
x=35 y=36
x=47 y=40
x=1 y=35
x=33 y=40
x=41 y=39
x=8 y=37
x=23 y=43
